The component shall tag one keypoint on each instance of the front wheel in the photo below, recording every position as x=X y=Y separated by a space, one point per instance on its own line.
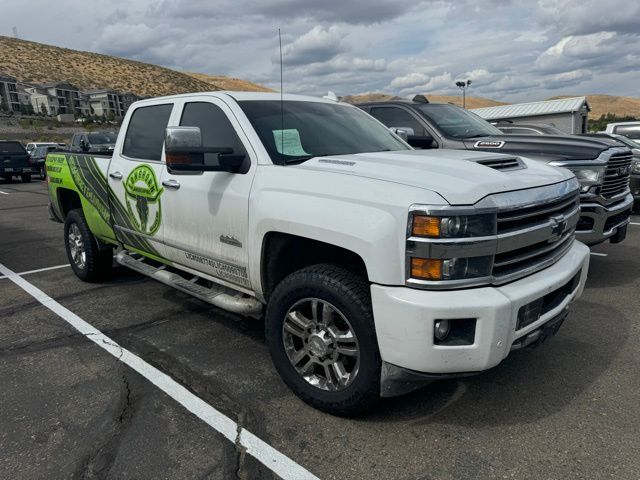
x=87 y=260
x=321 y=336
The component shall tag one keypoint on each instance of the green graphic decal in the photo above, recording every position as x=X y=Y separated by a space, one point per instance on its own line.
x=143 y=193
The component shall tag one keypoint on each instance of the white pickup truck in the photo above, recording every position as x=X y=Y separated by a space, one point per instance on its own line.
x=376 y=267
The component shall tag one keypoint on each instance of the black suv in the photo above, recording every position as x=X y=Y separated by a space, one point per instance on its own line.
x=14 y=161
x=602 y=165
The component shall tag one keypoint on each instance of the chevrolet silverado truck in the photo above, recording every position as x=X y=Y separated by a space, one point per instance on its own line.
x=602 y=165
x=376 y=267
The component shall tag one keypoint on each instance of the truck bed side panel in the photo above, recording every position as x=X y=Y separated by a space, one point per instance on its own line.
x=86 y=175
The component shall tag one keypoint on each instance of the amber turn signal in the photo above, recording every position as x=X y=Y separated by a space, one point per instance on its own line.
x=426 y=268
x=424 y=226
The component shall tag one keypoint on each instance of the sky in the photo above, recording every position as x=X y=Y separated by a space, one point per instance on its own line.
x=511 y=50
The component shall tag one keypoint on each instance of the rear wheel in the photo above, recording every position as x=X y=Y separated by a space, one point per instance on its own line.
x=26 y=177
x=320 y=332
x=88 y=261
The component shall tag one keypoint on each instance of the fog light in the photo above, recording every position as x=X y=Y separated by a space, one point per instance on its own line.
x=441 y=329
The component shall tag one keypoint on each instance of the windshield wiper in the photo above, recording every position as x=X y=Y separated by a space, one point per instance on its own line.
x=293 y=161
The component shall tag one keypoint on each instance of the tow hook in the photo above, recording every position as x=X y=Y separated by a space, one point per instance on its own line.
x=538 y=336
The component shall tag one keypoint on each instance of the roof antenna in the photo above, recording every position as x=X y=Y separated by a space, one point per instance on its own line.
x=281 y=101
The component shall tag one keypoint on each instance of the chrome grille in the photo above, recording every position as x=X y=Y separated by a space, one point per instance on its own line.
x=617 y=174
x=519 y=218
x=554 y=223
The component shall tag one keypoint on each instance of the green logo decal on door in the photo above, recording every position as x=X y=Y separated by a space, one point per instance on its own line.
x=143 y=199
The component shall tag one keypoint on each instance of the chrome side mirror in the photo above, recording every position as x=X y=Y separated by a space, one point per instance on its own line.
x=182 y=139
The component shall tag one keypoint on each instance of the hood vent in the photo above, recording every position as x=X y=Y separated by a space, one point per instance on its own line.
x=505 y=164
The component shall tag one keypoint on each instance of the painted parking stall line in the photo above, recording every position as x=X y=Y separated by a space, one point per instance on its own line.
x=4 y=193
x=634 y=223
x=596 y=254
x=276 y=461
x=38 y=270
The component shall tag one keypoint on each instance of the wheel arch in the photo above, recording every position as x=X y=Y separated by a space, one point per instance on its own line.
x=284 y=253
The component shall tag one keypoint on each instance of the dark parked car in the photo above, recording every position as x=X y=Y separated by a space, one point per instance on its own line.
x=14 y=161
x=38 y=156
x=93 y=142
x=634 y=145
x=602 y=165
x=528 y=129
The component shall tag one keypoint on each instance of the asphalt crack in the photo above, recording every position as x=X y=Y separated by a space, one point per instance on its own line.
x=241 y=451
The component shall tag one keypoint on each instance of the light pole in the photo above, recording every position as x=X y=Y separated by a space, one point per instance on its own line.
x=463 y=86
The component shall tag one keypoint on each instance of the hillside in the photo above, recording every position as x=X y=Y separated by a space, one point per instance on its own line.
x=472 y=102
x=603 y=104
x=37 y=62
x=229 y=83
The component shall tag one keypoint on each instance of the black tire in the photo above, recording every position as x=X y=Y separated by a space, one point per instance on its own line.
x=43 y=173
x=26 y=177
x=97 y=262
x=350 y=294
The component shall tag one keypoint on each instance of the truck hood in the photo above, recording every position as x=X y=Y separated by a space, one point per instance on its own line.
x=455 y=175
x=543 y=147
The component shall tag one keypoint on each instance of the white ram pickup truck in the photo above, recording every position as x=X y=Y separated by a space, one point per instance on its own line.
x=376 y=267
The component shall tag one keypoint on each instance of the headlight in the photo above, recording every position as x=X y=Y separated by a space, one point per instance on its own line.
x=458 y=226
x=451 y=268
x=635 y=166
x=588 y=176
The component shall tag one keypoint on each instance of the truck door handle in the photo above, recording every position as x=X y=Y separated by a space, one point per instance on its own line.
x=116 y=175
x=171 y=183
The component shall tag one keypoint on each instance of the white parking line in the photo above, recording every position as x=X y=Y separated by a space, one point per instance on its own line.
x=277 y=462
x=599 y=254
x=3 y=193
x=28 y=272
x=633 y=223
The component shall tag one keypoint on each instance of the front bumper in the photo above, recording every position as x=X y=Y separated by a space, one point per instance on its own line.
x=602 y=222
x=405 y=317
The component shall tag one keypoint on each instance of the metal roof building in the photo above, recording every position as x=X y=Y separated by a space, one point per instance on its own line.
x=567 y=114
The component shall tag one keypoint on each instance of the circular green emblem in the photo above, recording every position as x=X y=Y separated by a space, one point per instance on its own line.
x=143 y=199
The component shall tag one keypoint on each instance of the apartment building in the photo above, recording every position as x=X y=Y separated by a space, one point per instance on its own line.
x=9 y=99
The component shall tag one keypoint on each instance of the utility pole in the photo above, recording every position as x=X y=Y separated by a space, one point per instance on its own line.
x=463 y=86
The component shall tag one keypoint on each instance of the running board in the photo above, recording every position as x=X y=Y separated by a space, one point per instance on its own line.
x=218 y=295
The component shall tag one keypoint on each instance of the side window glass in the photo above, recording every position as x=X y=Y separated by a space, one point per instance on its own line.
x=145 y=133
x=396 y=117
x=215 y=127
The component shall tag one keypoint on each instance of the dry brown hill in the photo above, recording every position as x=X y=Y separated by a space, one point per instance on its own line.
x=472 y=102
x=229 y=83
x=37 y=62
x=603 y=104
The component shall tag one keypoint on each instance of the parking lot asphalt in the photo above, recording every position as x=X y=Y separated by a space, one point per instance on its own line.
x=68 y=409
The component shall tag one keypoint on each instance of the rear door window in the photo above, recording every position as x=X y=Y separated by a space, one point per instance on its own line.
x=145 y=134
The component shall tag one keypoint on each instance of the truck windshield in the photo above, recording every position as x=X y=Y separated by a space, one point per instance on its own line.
x=300 y=130
x=102 y=138
x=456 y=122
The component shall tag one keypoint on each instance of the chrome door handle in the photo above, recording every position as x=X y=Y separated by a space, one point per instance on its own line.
x=116 y=175
x=171 y=183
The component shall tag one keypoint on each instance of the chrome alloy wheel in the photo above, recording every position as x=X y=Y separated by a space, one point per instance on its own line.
x=76 y=246
x=321 y=344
